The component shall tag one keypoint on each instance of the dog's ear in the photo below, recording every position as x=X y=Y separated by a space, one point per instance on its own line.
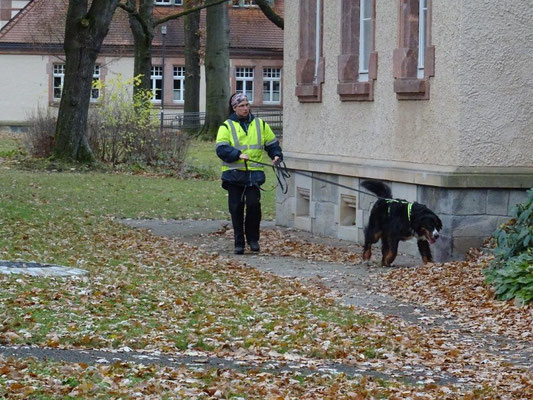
x=438 y=223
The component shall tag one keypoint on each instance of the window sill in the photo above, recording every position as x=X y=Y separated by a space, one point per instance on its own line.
x=355 y=91
x=309 y=93
x=411 y=89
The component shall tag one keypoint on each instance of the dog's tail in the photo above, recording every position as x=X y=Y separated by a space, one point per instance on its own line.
x=378 y=188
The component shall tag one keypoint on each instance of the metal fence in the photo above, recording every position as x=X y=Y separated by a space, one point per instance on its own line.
x=195 y=121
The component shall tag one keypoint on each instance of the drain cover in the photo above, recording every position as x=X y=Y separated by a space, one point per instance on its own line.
x=38 y=269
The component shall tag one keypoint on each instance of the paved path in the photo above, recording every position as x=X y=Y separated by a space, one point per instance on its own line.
x=193 y=359
x=357 y=285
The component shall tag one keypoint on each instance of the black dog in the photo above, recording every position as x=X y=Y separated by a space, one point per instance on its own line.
x=392 y=220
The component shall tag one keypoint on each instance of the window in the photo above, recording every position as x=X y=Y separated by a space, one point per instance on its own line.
x=414 y=59
x=179 y=84
x=272 y=85
x=365 y=39
x=168 y=2
x=244 y=82
x=156 y=78
x=423 y=13
x=244 y=3
x=310 y=63
x=59 y=79
x=95 y=91
x=357 y=67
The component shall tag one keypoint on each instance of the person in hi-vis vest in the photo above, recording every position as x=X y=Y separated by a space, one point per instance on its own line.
x=241 y=140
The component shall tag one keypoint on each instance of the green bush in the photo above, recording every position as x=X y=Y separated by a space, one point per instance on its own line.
x=124 y=128
x=511 y=271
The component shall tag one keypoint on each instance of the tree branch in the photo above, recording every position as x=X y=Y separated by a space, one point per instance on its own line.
x=129 y=7
x=275 y=18
x=189 y=11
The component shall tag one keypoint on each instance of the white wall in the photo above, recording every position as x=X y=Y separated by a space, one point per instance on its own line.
x=118 y=65
x=24 y=83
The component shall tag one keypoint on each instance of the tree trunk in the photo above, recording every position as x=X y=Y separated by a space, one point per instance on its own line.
x=84 y=33
x=143 y=23
x=142 y=28
x=192 y=66
x=192 y=60
x=216 y=68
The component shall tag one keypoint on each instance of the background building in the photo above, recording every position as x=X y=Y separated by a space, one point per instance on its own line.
x=10 y=8
x=32 y=60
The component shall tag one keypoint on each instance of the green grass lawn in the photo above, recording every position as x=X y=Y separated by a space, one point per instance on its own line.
x=126 y=195
x=10 y=144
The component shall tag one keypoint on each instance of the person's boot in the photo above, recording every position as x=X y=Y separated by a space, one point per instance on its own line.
x=254 y=246
x=239 y=247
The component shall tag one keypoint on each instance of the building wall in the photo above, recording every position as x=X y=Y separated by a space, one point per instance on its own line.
x=462 y=126
x=27 y=79
x=24 y=82
x=467 y=152
x=495 y=74
x=33 y=83
x=406 y=131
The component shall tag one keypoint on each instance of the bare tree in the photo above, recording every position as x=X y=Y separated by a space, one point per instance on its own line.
x=192 y=60
x=192 y=65
x=142 y=28
x=85 y=29
x=143 y=24
x=216 y=68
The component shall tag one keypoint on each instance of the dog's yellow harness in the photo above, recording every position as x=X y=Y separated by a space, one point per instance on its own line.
x=409 y=206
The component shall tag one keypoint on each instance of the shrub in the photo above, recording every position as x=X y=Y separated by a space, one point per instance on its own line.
x=124 y=128
x=511 y=271
x=39 y=138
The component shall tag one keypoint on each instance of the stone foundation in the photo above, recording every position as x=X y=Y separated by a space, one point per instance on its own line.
x=469 y=216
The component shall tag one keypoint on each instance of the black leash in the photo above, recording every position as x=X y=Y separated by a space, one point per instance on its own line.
x=282 y=173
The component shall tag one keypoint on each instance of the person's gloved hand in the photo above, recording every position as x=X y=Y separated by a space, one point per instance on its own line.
x=276 y=161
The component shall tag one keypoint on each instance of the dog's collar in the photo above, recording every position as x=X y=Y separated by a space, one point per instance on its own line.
x=409 y=206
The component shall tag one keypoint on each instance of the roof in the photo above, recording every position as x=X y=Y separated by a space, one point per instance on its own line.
x=41 y=24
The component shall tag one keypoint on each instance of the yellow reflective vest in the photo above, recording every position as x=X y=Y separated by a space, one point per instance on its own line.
x=259 y=135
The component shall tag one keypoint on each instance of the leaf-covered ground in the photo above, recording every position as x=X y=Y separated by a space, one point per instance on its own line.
x=160 y=295
x=458 y=288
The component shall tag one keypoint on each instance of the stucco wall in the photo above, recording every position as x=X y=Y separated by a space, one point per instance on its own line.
x=119 y=65
x=467 y=97
x=496 y=76
x=24 y=82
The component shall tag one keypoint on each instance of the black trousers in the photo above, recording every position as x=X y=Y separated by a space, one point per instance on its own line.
x=239 y=198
